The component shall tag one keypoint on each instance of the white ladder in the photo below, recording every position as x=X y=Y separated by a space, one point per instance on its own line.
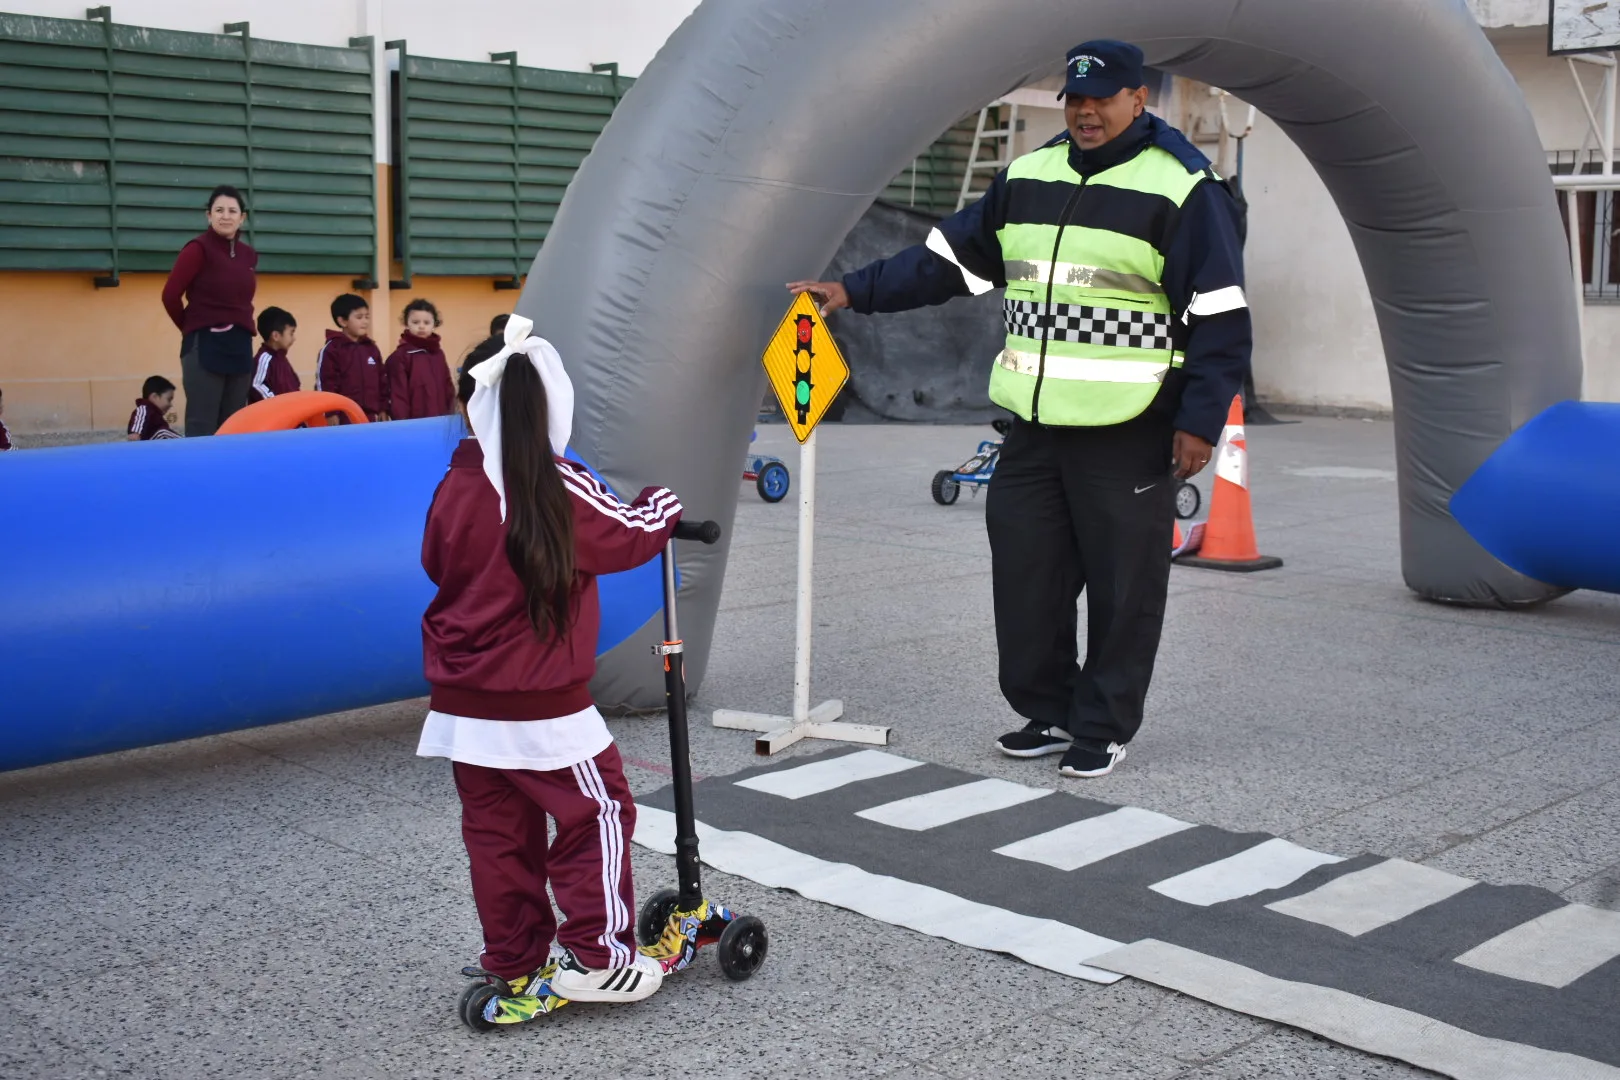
x=1003 y=156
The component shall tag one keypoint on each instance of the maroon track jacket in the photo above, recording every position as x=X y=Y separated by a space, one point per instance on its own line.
x=272 y=374
x=353 y=369
x=479 y=650
x=149 y=423
x=419 y=379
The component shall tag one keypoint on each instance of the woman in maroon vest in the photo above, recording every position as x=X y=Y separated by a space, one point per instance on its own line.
x=215 y=274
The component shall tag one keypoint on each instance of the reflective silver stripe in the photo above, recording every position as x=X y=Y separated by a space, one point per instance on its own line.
x=1230 y=298
x=1084 y=368
x=1081 y=276
x=942 y=247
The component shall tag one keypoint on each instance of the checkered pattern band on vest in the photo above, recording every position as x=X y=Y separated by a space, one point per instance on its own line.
x=1088 y=325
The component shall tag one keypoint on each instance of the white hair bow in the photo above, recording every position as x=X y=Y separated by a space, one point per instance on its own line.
x=484 y=409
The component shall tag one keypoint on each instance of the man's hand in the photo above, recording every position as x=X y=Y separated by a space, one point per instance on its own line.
x=831 y=295
x=1191 y=454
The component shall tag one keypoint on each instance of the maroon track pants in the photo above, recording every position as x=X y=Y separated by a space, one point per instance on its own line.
x=503 y=822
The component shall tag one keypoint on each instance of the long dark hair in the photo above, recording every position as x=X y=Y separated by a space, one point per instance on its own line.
x=539 y=513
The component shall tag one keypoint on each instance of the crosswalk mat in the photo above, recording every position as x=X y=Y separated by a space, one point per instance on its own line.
x=1475 y=981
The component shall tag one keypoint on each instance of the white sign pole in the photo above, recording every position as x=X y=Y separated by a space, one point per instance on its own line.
x=807 y=559
x=781 y=732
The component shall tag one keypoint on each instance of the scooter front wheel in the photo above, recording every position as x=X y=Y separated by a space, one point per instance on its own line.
x=742 y=947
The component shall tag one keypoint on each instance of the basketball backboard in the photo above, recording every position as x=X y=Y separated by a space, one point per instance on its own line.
x=1577 y=26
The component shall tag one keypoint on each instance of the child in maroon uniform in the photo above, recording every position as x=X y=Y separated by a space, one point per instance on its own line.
x=272 y=372
x=515 y=538
x=418 y=374
x=148 y=421
x=350 y=362
x=5 y=436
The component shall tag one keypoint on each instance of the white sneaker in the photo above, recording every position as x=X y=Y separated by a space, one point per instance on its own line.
x=576 y=982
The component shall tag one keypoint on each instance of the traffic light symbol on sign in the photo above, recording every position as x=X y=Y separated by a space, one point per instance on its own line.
x=805 y=368
x=802 y=347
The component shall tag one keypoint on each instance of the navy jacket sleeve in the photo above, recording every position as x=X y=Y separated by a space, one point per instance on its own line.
x=961 y=258
x=1203 y=279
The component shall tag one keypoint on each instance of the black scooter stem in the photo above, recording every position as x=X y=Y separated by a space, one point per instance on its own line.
x=680 y=749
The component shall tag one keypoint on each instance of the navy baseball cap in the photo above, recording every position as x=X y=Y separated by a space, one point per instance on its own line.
x=1101 y=69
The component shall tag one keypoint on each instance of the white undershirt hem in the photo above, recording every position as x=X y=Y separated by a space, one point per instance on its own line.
x=535 y=745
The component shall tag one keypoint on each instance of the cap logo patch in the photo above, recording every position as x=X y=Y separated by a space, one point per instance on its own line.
x=1083 y=64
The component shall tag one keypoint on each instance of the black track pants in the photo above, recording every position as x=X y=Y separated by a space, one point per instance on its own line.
x=1072 y=509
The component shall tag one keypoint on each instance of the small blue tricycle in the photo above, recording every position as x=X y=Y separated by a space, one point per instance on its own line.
x=977 y=470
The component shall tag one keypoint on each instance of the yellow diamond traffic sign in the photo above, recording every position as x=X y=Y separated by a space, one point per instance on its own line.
x=805 y=367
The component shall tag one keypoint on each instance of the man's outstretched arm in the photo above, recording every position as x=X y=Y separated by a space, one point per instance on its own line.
x=961 y=257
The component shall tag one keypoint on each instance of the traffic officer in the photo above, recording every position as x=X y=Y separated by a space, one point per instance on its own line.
x=1128 y=335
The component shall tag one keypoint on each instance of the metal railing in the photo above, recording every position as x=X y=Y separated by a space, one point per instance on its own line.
x=1595 y=222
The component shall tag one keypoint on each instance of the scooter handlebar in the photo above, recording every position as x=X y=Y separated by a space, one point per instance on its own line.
x=704 y=532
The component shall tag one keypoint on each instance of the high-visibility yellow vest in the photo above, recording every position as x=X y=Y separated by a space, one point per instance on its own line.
x=1088 y=323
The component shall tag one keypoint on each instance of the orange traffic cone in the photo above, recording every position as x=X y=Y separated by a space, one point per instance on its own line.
x=1176 y=541
x=1228 y=540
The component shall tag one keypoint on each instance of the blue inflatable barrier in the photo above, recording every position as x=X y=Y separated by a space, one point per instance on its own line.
x=176 y=589
x=1545 y=502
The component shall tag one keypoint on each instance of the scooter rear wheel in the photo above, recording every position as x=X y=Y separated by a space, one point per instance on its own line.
x=655 y=915
x=742 y=947
x=945 y=487
x=471 y=1007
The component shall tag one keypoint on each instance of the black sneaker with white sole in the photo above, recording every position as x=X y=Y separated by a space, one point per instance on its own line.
x=1035 y=740
x=1091 y=758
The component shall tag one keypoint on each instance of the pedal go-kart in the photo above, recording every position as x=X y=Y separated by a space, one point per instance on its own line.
x=977 y=470
x=674 y=923
x=769 y=474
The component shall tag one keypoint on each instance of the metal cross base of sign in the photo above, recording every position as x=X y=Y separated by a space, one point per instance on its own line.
x=781 y=732
x=806 y=370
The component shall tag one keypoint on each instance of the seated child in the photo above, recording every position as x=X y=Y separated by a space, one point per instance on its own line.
x=418 y=374
x=150 y=420
x=515 y=538
x=272 y=372
x=5 y=436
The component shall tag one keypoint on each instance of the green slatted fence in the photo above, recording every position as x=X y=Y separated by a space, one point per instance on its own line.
x=483 y=154
x=112 y=135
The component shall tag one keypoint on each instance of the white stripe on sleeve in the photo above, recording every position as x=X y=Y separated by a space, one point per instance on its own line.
x=1218 y=302
x=137 y=423
x=320 y=362
x=942 y=247
x=648 y=518
x=260 y=375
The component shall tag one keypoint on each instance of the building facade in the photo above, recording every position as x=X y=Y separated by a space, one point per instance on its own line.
x=403 y=149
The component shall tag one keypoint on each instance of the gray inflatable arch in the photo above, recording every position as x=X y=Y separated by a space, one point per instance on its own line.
x=764 y=129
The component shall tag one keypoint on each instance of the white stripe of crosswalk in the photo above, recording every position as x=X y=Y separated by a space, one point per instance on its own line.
x=819 y=776
x=1366 y=899
x=1082 y=843
x=1553 y=950
x=1269 y=865
x=950 y=804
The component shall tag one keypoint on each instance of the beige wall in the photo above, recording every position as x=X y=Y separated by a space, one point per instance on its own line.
x=1316 y=338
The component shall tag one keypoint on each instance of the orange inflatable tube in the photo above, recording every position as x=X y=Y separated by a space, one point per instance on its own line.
x=297 y=407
